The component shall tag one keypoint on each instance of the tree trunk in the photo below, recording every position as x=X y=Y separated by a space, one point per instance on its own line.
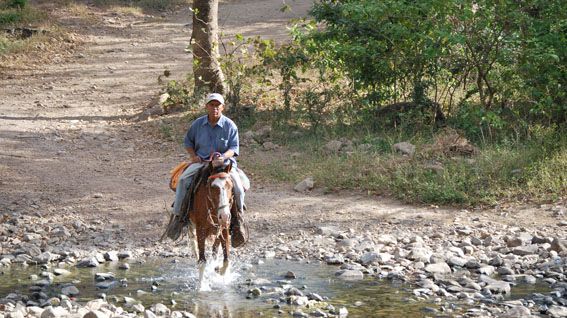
x=206 y=68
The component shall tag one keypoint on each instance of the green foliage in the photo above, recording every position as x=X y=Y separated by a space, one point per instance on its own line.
x=506 y=56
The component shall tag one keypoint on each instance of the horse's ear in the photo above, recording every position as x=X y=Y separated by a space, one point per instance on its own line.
x=228 y=167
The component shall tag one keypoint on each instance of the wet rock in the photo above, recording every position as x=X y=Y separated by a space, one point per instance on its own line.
x=61 y=272
x=290 y=275
x=45 y=258
x=314 y=296
x=335 y=259
x=124 y=254
x=88 y=262
x=318 y=313
x=124 y=266
x=106 y=284
x=495 y=286
x=255 y=292
x=305 y=185
x=350 y=274
x=111 y=256
x=505 y=271
x=104 y=276
x=70 y=291
x=299 y=313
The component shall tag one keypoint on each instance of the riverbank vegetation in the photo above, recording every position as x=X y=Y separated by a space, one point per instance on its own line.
x=476 y=87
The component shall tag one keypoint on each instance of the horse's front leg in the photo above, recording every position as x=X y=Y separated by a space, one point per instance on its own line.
x=225 y=241
x=202 y=260
x=216 y=246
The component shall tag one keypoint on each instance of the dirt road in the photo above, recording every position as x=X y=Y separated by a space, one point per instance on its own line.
x=70 y=148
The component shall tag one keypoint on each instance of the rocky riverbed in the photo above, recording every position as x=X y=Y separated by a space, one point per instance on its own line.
x=478 y=266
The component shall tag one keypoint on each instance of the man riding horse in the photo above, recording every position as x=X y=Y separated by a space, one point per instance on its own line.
x=212 y=138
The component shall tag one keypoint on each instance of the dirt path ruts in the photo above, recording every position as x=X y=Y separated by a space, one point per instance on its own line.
x=68 y=145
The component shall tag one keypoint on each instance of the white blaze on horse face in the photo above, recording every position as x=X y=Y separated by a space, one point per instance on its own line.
x=224 y=204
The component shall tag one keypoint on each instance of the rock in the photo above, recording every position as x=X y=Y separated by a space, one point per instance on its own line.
x=558 y=245
x=526 y=250
x=70 y=291
x=456 y=261
x=124 y=254
x=45 y=258
x=495 y=286
x=438 y=268
x=304 y=185
x=88 y=262
x=54 y=312
x=290 y=275
x=387 y=239
x=405 y=148
x=554 y=311
x=149 y=314
x=517 y=312
x=111 y=256
x=161 y=309
x=96 y=314
x=61 y=272
x=420 y=254
x=486 y=270
x=124 y=266
x=104 y=276
x=505 y=271
x=350 y=274
x=318 y=313
x=335 y=260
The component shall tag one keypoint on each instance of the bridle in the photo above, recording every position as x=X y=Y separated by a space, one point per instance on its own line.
x=210 y=203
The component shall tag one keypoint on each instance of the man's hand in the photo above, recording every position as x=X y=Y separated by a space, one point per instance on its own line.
x=218 y=161
x=195 y=159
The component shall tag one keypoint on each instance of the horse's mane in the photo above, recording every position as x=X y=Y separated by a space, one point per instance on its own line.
x=199 y=180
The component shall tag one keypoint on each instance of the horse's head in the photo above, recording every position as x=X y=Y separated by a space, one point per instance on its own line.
x=220 y=195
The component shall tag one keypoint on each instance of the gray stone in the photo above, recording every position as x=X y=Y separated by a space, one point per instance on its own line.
x=387 y=239
x=161 y=309
x=420 y=254
x=61 y=272
x=96 y=314
x=104 y=276
x=557 y=311
x=70 y=291
x=438 y=268
x=558 y=245
x=517 y=312
x=111 y=256
x=456 y=261
x=88 y=262
x=124 y=266
x=526 y=250
x=335 y=259
x=505 y=271
x=405 y=148
x=350 y=274
x=495 y=286
x=486 y=270
x=149 y=314
x=305 y=185
x=54 y=312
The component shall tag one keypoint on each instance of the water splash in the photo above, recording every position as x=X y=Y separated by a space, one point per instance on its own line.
x=213 y=280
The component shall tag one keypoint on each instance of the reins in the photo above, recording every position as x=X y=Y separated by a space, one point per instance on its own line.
x=210 y=203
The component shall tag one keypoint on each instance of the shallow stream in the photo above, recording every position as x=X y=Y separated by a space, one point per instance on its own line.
x=174 y=282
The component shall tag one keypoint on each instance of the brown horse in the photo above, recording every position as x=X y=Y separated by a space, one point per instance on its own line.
x=211 y=212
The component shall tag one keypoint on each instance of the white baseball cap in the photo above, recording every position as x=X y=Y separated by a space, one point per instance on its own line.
x=215 y=96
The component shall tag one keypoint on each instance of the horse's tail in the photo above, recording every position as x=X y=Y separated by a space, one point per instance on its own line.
x=174 y=229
